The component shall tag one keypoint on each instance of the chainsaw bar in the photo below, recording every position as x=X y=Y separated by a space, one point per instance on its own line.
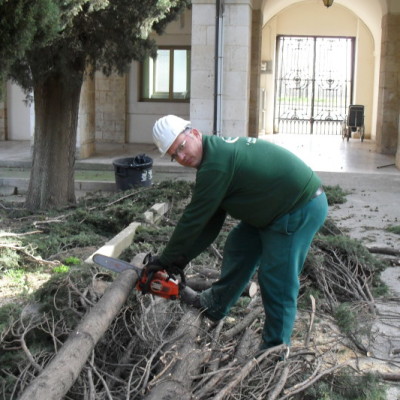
x=114 y=264
x=159 y=283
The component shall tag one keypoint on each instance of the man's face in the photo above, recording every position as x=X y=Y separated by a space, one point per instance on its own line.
x=187 y=149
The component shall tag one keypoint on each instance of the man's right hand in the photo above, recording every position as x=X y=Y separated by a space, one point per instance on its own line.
x=152 y=265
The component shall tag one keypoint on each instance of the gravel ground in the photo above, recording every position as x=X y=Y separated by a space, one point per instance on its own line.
x=372 y=205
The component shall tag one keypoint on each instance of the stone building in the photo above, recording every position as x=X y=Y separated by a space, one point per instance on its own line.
x=249 y=68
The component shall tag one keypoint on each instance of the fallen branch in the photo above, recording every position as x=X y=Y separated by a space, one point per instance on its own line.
x=390 y=377
x=310 y=381
x=243 y=324
x=122 y=198
x=280 y=385
x=307 y=341
x=246 y=371
x=24 y=251
x=10 y=234
x=384 y=250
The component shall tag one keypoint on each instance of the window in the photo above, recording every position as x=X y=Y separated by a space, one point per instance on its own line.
x=166 y=77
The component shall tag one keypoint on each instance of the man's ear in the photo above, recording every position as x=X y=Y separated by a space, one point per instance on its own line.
x=195 y=132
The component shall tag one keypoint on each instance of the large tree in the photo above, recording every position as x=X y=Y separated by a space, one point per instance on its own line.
x=76 y=37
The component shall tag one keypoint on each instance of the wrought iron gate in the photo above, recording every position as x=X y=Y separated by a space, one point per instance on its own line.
x=313 y=86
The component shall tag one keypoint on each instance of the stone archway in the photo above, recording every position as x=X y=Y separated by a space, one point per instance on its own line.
x=383 y=20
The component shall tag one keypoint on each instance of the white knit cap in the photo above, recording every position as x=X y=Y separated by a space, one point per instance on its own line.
x=166 y=130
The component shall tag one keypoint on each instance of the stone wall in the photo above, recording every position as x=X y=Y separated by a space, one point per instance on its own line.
x=3 y=116
x=387 y=131
x=110 y=100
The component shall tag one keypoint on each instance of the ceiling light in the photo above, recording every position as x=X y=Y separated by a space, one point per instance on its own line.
x=327 y=3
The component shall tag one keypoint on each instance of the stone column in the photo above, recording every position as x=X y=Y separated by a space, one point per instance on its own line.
x=203 y=61
x=237 y=67
x=387 y=132
x=237 y=30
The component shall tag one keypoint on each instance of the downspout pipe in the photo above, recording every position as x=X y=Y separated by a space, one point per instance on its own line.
x=219 y=15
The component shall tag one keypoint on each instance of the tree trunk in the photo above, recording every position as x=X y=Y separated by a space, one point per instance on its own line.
x=60 y=374
x=56 y=117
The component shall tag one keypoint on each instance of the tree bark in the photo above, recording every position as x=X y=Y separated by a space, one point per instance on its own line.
x=175 y=383
x=56 y=118
x=60 y=374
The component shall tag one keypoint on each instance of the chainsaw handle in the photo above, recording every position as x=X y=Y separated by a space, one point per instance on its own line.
x=145 y=280
x=160 y=284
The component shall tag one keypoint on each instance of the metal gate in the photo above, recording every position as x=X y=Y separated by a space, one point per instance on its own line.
x=313 y=86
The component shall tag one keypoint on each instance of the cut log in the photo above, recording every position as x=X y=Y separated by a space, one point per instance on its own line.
x=175 y=382
x=200 y=283
x=60 y=374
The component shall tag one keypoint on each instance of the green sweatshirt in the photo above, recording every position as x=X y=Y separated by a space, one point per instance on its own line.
x=252 y=180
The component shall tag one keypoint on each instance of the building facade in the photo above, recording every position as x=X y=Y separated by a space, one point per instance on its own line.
x=249 y=68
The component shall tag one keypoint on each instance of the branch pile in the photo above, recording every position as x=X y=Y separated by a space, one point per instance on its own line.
x=159 y=349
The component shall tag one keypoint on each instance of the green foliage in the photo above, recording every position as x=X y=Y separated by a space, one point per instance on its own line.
x=72 y=261
x=61 y=269
x=304 y=302
x=347 y=386
x=61 y=238
x=330 y=228
x=57 y=39
x=9 y=258
x=394 y=229
x=92 y=222
x=23 y=23
x=57 y=287
x=353 y=250
x=9 y=313
x=147 y=240
x=346 y=319
x=16 y=275
x=335 y=194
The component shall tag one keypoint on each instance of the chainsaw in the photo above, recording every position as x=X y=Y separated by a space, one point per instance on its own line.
x=160 y=283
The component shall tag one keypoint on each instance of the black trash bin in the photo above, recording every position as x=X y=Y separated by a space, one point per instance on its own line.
x=133 y=171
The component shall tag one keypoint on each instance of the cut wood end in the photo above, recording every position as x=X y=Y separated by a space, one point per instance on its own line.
x=253 y=289
x=138 y=259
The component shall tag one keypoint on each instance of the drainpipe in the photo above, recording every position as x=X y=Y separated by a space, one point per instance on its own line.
x=219 y=30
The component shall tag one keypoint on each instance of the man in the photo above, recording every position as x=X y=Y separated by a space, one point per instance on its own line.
x=279 y=202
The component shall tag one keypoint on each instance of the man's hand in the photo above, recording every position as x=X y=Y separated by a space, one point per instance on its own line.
x=153 y=265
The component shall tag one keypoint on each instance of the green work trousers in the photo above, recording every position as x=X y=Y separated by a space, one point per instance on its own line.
x=277 y=252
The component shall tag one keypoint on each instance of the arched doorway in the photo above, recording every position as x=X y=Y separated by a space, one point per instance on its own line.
x=313 y=84
x=356 y=60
